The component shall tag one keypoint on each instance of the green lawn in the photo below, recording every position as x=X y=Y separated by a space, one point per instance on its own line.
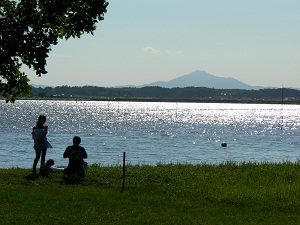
x=230 y=193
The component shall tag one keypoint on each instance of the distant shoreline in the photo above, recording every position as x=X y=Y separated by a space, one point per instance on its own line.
x=183 y=100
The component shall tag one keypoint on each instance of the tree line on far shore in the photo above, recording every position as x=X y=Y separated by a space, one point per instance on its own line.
x=188 y=93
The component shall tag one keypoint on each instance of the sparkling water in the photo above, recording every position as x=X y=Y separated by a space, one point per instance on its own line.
x=152 y=132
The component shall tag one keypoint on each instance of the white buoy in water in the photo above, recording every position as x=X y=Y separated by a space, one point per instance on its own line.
x=224 y=144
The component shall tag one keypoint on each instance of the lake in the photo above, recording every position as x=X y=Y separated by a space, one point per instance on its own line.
x=152 y=132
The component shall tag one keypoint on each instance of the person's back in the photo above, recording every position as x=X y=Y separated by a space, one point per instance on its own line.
x=76 y=154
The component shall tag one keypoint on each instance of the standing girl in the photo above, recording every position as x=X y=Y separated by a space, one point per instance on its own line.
x=39 y=134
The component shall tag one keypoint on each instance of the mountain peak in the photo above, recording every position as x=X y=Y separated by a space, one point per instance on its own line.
x=200 y=78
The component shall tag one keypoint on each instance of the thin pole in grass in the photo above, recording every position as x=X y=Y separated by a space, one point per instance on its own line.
x=124 y=166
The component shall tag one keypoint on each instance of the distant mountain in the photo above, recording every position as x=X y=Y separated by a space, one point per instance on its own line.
x=195 y=79
x=203 y=79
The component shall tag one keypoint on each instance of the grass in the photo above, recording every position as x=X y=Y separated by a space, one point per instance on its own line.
x=229 y=193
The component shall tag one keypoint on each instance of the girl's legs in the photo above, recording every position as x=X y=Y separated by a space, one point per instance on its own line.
x=43 y=157
x=36 y=160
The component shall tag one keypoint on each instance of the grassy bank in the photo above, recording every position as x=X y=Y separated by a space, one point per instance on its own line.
x=230 y=193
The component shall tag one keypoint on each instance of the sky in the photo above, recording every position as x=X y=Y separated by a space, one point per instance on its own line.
x=143 y=41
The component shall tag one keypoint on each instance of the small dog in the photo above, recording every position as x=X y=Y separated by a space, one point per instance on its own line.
x=46 y=168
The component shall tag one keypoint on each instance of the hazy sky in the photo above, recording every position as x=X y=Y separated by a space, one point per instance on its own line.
x=142 y=41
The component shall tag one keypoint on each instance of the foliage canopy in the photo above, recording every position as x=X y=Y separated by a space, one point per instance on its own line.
x=28 y=29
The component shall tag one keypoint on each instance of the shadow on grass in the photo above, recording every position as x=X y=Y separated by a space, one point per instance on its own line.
x=32 y=176
x=71 y=180
x=66 y=180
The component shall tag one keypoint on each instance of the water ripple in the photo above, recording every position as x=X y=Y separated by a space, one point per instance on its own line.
x=153 y=132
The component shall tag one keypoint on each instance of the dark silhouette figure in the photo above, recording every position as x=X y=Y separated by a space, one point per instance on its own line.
x=76 y=154
x=39 y=134
x=46 y=168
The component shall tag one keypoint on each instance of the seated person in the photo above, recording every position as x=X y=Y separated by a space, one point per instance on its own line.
x=76 y=154
x=46 y=168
